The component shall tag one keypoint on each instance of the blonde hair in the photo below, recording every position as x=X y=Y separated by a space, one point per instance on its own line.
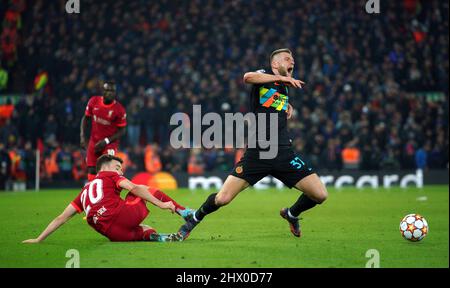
x=278 y=51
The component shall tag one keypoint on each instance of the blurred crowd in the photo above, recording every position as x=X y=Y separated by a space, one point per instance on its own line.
x=377 y=84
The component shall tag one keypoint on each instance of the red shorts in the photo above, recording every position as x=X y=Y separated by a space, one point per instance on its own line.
x=126 y=226
x=91 y=156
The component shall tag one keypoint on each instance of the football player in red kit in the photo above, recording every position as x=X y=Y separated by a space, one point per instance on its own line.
x=109 y=214
x=108 y=118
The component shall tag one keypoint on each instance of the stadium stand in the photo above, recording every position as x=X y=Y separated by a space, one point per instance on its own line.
x=377 y=85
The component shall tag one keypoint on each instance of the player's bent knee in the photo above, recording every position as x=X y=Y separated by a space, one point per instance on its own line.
x=222 y=199
x=321 y=196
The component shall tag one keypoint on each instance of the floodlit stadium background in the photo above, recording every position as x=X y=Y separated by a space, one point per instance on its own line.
x=376 y=97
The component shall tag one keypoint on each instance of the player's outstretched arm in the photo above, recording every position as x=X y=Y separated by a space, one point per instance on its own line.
x=54 y=225
x=262 y=78
x=142 y=192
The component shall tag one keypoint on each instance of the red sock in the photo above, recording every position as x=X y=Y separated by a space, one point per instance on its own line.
x=147 y=235
x=161 y=196
x=91 y=177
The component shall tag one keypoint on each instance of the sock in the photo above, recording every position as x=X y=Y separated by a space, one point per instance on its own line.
x=303 y=203
x=150 y=235
x=91 y=177
x=161 y=196
x=208 y=207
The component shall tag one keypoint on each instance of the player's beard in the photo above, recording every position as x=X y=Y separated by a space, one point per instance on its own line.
x=283 y=71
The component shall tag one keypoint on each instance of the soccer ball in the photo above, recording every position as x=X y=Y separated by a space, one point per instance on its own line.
x=414 y=227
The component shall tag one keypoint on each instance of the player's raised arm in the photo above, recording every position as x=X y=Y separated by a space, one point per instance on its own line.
x=282 y=64
x=54 y=225
x=142 y=192
x=262 y=78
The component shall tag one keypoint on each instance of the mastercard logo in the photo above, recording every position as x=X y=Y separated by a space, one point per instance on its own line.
x=160 y=180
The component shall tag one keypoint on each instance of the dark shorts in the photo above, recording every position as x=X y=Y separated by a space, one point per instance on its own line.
x=288 y=167
x=127 y=227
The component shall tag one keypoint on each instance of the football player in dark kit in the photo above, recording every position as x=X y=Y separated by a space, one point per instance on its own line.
x=269 y=95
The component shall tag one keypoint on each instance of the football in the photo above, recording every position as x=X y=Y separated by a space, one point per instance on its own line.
x=414 y=227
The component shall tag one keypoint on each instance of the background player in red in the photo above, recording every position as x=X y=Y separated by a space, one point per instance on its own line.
x=108 y=122
x=110 y=215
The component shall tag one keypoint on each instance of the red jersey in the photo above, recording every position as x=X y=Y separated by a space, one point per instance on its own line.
x=105 y=119
x=100 y=200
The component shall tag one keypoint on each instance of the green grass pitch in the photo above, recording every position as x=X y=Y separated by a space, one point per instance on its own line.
x=247 y=233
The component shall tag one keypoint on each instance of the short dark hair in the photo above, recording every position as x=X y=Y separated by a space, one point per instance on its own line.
x=104 y=159
x=279 y=51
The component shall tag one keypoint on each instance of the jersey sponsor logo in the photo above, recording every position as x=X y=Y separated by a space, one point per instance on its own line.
x=101 y=211
x=272 y=98
x=101 y=120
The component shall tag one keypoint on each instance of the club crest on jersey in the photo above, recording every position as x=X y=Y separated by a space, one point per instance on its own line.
x=110 y=113
x=239 y=169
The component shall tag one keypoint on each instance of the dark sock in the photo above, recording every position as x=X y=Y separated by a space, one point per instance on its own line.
x=208 y=207
x=303 y=203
